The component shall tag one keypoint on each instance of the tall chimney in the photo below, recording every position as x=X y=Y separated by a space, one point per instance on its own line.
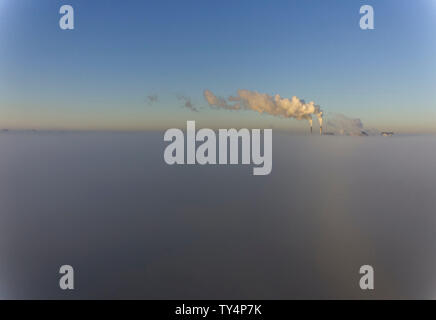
x=320 y=130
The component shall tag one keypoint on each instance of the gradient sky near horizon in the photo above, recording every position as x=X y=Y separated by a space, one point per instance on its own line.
x=99 y=75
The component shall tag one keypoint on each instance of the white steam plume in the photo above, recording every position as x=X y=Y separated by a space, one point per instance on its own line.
x=264 y=103
x=340 y=124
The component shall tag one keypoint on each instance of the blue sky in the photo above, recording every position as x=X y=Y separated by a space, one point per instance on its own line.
x=99 y=75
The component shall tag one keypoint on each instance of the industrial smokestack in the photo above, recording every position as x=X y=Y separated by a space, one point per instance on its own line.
x=319 y=116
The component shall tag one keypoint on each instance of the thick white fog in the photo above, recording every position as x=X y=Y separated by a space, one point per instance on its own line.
x=134 y=227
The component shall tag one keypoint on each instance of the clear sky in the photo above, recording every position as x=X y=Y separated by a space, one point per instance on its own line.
x=99 y=75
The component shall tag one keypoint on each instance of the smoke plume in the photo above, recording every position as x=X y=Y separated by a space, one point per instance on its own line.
x=152 y=99
x=294 y=107
x=342 y=125
x=187 y=103
x=264 y=103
